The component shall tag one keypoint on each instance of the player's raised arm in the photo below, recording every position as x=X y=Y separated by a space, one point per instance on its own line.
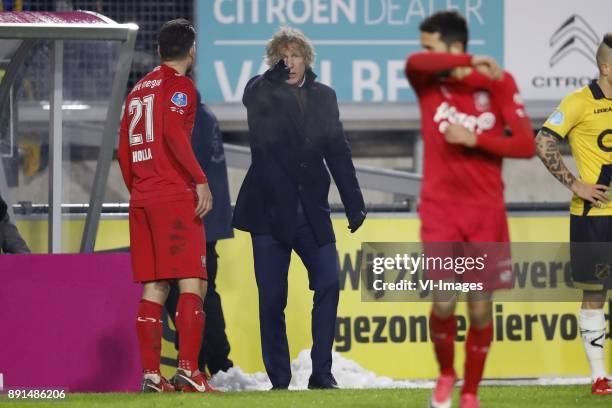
x=506 y=96
x=432 y=63
x=548 y=151
x=521 y=144
x=423 y=67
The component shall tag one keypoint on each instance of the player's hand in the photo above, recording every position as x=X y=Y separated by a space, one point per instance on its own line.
x=487 y=66
x=278 y=73
x=597 y=194
x=459 y=135
x=204 y=200
x=460 y=72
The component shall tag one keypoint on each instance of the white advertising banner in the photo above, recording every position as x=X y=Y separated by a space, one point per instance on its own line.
x=550 y=45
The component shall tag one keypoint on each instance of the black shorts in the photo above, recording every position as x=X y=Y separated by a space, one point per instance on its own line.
x=591 y=251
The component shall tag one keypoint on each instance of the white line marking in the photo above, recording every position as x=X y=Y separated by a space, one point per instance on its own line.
x=334 y=42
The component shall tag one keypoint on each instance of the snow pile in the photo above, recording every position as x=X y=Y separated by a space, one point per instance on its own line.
x=348 y=374
x=237 y=380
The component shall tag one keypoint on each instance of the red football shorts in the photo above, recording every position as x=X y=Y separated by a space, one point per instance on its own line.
x=468 y=231
x=167 y=242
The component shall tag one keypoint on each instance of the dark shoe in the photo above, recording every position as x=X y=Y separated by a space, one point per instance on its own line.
x=322 y=382
x=276 y=388
x=215 y=367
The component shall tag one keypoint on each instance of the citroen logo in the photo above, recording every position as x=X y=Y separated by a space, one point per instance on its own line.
x=575 y=35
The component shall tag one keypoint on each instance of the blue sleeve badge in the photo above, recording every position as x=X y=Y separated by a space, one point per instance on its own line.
x=556 y=118
x=179 y=99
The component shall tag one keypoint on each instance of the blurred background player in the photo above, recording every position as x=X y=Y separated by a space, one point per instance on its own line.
x=465 y=103
x=585 y=116
x=168 y=196
x=207 y=144
x=295 y=131
x=11 y=241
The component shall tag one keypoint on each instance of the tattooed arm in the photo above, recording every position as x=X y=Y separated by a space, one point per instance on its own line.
x=548 y=150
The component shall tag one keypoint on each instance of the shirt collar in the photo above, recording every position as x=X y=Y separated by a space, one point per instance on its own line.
x=596 y=90
x=169 y=69
x=301 y=84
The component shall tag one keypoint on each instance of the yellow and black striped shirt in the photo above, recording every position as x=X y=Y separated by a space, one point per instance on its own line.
x=585 y=116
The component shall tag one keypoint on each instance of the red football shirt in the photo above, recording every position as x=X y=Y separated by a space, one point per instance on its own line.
x=455 y=173
x=155 y=153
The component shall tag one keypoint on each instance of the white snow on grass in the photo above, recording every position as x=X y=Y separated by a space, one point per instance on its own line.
x=237 y=380
x=347 y=372
x=350 y=375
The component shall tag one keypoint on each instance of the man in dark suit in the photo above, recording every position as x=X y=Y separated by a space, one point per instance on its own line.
x=207 y=145
x=295 y=129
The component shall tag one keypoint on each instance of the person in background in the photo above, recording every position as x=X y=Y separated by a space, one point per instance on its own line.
x=169 y=195
x=466 y=101
x=207 y=144
x=295 y=131
x=11 y=241
x=585 y=117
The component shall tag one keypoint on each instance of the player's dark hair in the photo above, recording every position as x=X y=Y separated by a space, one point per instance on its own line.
x=451 y=26
x=607 y=39
x=175 y=39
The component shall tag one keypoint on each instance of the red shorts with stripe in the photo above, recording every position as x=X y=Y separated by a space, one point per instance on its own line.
x=167 y=242
x=468 y=231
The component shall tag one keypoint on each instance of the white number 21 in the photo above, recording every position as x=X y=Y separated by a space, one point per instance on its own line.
x=135 y=109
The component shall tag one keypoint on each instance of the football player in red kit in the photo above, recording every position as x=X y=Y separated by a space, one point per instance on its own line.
x=168 y=196
x=466 y=102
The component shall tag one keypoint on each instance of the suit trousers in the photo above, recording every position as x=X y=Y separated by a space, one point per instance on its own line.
x=272 y=259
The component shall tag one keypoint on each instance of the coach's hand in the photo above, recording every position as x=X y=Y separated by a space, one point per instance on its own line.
x=596 y=194
x=356 y=221
x=457 y=134
x=487 y=66
x=278 y=73
x=204 y=200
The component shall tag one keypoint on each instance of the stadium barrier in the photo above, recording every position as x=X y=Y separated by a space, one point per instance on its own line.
x=68 y=322
x=532 y=339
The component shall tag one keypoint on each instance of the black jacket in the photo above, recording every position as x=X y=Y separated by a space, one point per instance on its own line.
x=11 y=241
x=288 y=150
x=207 y=144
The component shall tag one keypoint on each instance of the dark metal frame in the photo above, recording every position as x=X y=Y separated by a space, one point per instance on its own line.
x=30 y=33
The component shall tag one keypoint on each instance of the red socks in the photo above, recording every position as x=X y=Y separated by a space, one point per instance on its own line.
x=149 y=329
x=443 y=332
x=476 y=350
x=190 y=325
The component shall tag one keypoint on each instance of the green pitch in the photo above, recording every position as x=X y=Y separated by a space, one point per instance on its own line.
x=490 y=396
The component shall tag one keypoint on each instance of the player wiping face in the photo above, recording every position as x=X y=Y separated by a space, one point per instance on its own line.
x=466 y=102
x=433 y=42
x=485 y=65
